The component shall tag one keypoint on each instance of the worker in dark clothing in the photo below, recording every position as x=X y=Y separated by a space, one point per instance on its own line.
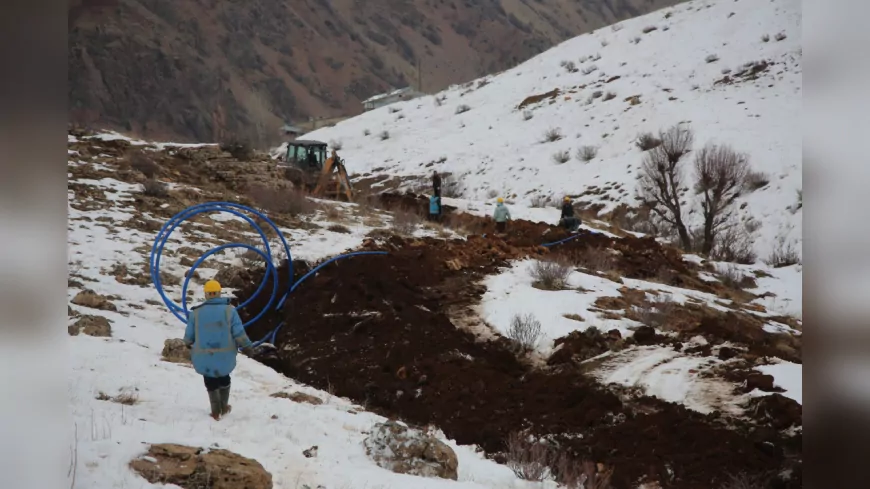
x=567 y=220
x=436 y=183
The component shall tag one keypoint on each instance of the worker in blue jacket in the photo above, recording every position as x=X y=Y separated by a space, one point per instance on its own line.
x=214 y=334
x=434 y=208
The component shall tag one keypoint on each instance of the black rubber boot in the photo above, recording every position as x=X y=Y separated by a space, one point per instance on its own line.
x=214 y=398
x=225 y=400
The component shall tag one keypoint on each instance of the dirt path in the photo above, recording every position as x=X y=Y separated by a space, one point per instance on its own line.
x=375 y=329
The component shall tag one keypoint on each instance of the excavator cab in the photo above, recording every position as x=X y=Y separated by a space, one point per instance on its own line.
x=310 y=157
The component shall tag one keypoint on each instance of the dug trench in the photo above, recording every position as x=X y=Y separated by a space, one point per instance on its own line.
x=376 y=329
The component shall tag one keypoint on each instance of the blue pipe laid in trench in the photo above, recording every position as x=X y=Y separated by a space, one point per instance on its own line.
x=181 y=311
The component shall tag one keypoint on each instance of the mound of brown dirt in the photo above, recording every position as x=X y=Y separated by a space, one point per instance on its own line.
x=375 y=328
x=583 y=345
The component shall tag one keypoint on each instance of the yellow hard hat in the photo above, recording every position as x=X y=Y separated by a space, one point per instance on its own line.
x=212 y=286
x=500 y=200
x=567 y=199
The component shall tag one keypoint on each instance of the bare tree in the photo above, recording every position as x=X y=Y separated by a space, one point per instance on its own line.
x=719 y=175
x=265 y=125
x=661 y=177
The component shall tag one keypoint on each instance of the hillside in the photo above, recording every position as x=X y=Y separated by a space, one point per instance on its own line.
x=197 y=69
x=729 y=70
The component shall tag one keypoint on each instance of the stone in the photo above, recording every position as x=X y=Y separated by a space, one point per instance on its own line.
x=395 y=447
x=89 y=298
x=174 y=350
x=195 y=468
x=759 y=381
x=91 y=326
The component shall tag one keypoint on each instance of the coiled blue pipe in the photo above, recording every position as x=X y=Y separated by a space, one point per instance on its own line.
x=181 y=311
x=554 y=243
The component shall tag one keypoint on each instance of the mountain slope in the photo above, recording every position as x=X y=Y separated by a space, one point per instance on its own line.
x=731 y=70
x=195 y=69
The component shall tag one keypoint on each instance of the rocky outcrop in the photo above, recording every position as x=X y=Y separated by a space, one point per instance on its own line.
x=196 y=468
x=91 y=326
x=400 y=449
x=89 y=298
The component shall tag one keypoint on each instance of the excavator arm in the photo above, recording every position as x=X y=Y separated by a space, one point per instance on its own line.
x=333 y=169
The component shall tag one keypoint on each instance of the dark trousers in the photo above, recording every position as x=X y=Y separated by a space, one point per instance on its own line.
x=500 y=226
x=215 y=383
x=437 y=191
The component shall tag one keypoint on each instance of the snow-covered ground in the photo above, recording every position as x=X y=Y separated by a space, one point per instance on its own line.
x=172 y=406
x=495 y=149
x=787 y=375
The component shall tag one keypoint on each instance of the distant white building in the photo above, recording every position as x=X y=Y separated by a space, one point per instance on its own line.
x=407 y=93
x=291 y=131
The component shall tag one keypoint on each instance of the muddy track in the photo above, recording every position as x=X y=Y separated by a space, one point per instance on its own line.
x=375 y=329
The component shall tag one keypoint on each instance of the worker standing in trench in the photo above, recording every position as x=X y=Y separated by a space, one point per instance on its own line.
x=214 y=333
x=501 y=216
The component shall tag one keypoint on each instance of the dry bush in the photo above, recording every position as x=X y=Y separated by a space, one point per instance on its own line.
x=462 y=109
x=527 y=115
x=393 y=110
x=366 y=132
x=661 y=178
x=609 y=96
x=155 y=188
x=711 y=58
x=281 y=201
x=525 y=331
x=595 y=259
x=493 y=193
x=582 y=475
x=553 y=135
x=127 y=397
x=745 y=481
x=451 y=187
x=250 y=258
x=238 y=147
x=540 y=201
x=338 y=228
x=755 y=180
x=780 y=37
x=405 y=222
x=551 y=274
x=656 y=312
x=587 y=153
x=336 y=145
x=597 y=94
x=144 y=165
x=264 y=128
x=719 y=174
x=385 y=135
x=765 y=38
x=783 y=254
x=733 y=244
x=731 y=277
x=569 y=66
x=646 y=141
x=635 y=40
x=528 y=460
x=561 y=157
x=649 y=28
x=589 y=69
x=751 y=225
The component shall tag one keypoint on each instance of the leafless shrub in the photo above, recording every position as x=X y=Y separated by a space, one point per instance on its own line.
x=540 y=201
x=646 y=141
x=649 y=28
x=589 y=69
x=755 y=180
x=493 y=193
x=366 y=132
x=635 y=40
x=719 y=173
x=595 y=259
x=264 y=128
x=553 y=135
x=660 y=179
x=338 y=228
x=783 y=254
x=656 y=312
x=733 y=244
x=155 y=188
x=144 y=165
x=604 y=43
x=609 y=96
x=780 y=37
x=394 y=109
x=238 y=147
x=616 y=27
x=751 y=225
x=281 y=201
x=570 y=66
x=597 y=94
x=573 y=474
x=527 y=459
x=745 y=481
x=550 y=274
x=336 y=145
x=595 y=57
x=668 y=15
x=731 y=277
x=561 y=157
x=127 y=397
x=587 y=153
x=765 y=38
x=483 y=83
x=711 y=58
x=385 y=135
x=405 y=222
x=527 y=115
x=451 y=187
x=525 y=331
x=462 y=109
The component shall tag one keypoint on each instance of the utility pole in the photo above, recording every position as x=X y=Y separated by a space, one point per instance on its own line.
x=419 y=75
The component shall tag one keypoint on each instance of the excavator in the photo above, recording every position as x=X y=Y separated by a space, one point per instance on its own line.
x=308 y=160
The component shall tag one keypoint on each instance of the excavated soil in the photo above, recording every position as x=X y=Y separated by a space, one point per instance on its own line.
x=375 y=329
